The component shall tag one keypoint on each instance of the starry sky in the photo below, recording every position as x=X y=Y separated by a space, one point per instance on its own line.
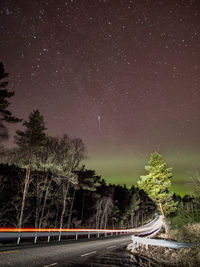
x=123 y=75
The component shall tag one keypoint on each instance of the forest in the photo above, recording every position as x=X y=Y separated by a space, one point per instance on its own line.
x=44 y=183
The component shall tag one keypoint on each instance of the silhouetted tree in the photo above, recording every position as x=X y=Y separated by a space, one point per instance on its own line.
x=88 y=182
x=29 y=143
x=5 y=115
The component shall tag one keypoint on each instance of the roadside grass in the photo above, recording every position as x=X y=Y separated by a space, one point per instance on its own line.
x=191 y=256
x=161 y=256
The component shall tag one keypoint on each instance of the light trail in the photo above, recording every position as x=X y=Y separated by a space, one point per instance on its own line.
x=7 y=229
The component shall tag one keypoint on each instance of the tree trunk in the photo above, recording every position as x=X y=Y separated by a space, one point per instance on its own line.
x=98 y=212
x=56 y=218
x=132 y=215
x=44 y=203
x=161 y=209
x=165 y=224
x=106 y=219
x=37 y=211
x=71 y=208
x=104 y=214
x=65 y=191
x=83 y=204
x=26 y=184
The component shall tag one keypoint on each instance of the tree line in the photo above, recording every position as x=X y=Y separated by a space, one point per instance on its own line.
x=45 y=184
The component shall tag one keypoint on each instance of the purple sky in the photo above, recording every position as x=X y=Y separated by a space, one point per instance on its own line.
x=121 y=75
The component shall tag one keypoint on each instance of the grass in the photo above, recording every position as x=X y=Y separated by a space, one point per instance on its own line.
x=187 y=257
x=160 y=256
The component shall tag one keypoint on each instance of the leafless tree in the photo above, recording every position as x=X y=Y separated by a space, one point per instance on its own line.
x=104 y=208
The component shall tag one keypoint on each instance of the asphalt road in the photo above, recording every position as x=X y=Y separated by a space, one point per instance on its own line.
x=63 y=254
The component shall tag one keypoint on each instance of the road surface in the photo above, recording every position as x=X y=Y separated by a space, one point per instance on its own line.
x=63 y=254
x=59 y=254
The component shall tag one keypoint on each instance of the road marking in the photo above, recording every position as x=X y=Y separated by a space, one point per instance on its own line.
x=53 y=264
x=11 y=251
x=83 y=255
x=111 y=247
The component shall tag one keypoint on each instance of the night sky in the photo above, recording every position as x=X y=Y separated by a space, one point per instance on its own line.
x=122 y=75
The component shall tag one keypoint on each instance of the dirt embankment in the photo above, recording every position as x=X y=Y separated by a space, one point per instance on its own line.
x=159 y=256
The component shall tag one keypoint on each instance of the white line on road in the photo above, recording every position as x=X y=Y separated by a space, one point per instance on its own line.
x=53 y=264
x=111 y=247
x=89 y=253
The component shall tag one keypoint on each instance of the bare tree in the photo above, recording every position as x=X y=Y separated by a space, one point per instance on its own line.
x=62 y=159
x=103 y=210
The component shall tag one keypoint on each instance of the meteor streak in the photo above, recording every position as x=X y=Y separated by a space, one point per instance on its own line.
x=99 y=122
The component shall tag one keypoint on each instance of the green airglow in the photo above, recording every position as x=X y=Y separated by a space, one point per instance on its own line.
x=127 y=169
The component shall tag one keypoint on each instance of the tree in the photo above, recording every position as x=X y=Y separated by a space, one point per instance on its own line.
x=47 y=164
x=58 y=161
x=29 y=143
x=104 y=208
x=157 y=182
x=88 y=181
x=68 y=155
x=133 y=206
x=5 y=114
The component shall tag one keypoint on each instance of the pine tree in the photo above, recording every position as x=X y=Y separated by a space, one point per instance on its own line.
x=33 y=139
x=157 y=182
x=29 y=143
x=5 y=114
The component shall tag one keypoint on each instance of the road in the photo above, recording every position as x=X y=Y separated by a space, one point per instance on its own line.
x=59 y=254
x=64 y=254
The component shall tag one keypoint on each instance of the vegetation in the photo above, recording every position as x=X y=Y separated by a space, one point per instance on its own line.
x=106 y=206
x=157 y=182
x=184 y=227
x=188 y=211
x=168 y=257
x=29 y=143
x=188 y=257
x=5 y=115
x=43 y=183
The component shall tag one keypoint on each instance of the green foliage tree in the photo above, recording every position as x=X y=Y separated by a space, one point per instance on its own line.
x=5 y=115
x=29 y=143
x=157 y=182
